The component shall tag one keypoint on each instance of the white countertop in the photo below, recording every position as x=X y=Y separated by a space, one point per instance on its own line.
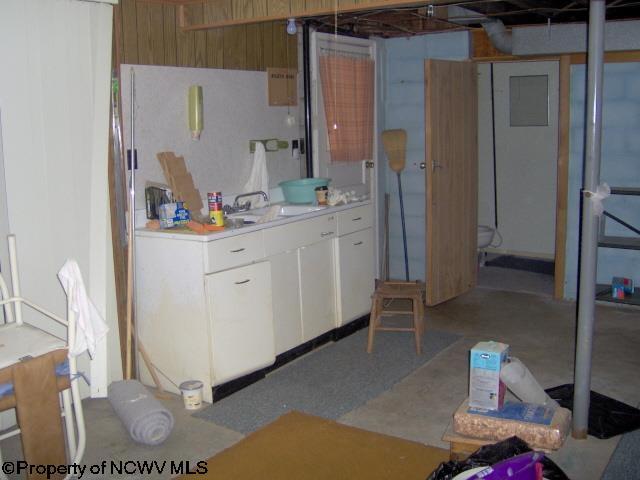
x=188 y=235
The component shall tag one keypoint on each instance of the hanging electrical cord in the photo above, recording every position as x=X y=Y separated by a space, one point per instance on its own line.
x=335 y=70
x=493 y=147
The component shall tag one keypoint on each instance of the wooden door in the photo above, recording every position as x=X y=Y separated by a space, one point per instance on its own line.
x=451 y=177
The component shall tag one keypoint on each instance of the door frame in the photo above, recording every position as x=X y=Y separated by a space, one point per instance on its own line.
x=562 y=161
x=374 y=194
x=564 y=118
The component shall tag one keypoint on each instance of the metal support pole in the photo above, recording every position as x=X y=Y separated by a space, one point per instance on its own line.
x=306 y=82
x=590 y=222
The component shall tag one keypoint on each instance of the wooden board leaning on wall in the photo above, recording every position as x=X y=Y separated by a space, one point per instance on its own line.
x=148 y=33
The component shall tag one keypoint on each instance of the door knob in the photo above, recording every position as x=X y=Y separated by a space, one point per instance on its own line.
x=422 y=165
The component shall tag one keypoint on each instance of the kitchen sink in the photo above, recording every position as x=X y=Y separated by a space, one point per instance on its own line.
x=253 y=216
x=293 y=210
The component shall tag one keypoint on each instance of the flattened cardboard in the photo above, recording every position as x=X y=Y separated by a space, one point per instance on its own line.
x=180 y=181
x=303 y=447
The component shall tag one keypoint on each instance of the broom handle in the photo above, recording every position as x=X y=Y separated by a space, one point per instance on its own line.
x=404 y=230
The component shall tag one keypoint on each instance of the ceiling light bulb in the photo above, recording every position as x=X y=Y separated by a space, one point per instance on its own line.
x=291 y=26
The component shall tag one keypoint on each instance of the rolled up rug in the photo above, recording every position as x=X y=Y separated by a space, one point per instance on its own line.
x=145 y=418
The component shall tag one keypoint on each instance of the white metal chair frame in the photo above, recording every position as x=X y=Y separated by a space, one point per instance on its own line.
x=71 y=396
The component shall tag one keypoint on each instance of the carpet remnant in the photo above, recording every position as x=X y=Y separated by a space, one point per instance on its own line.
x=625 y=461
x=328 y=382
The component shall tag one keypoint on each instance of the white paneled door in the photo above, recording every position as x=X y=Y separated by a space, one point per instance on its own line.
x=525 y=96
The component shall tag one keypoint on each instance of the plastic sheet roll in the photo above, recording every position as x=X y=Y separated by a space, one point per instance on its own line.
x=523 y=384
x=145 y=418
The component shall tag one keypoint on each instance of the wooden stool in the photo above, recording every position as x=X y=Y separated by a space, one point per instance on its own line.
x=392 y=290
x=460 y=447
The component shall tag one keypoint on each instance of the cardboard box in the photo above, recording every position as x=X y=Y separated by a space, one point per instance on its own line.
x=486 y=390
x=621 y=286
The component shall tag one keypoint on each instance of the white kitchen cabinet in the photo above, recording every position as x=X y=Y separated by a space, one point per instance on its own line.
x=306 y=250
x=241 y=321
x=317 y=289
x=285 y=286
x=217 y=307
x=354 y=219
x=355 y=275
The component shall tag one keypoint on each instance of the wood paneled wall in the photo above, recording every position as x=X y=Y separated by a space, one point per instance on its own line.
x=147 y=33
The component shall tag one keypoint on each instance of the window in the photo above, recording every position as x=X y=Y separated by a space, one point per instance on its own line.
x=529 y=100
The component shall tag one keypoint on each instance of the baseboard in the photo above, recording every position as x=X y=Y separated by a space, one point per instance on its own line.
x=228 y=388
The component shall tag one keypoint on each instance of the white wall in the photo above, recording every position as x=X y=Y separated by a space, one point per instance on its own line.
x=4 y=222
x=569 y=38
x=235 y=111
x=54 y=100
x=620 y=168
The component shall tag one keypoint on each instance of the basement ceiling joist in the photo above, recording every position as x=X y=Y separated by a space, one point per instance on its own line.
x=392 y=18
x=258 y=11
x=407 y=21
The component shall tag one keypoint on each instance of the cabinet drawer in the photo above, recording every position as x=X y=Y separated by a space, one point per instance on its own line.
x=354 y=219
x=298 y=234
x=233 y=251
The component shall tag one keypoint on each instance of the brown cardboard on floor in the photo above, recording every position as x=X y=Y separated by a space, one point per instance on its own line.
x=303 y=447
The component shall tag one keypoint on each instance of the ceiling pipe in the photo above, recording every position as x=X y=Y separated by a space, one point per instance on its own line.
x=498 y=34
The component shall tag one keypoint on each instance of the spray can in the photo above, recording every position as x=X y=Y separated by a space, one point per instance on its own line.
x=216 y=215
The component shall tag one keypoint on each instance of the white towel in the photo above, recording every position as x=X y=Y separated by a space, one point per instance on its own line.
x=90 y=327
x=259 y=177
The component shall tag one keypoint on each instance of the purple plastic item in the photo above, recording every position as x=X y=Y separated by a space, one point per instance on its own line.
x=520 y=467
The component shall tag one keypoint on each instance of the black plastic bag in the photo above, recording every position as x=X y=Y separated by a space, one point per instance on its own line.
x=491 y=454
x=607 y=417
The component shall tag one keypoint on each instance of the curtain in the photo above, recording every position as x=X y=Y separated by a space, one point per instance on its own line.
x=347 y=88
x=54 y=100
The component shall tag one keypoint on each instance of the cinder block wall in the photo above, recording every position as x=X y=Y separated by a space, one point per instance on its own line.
x=404 y=108
x=620 y=167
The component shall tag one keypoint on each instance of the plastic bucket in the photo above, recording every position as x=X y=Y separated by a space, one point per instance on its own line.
x=192 y=394
x=302 y=190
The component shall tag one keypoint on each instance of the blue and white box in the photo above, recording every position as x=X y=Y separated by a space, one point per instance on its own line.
x=486 y=390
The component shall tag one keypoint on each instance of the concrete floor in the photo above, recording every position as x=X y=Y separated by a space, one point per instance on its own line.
x=539 y=330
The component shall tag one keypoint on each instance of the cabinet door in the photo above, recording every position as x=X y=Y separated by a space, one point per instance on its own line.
x=356 y=274
x=241 y=321
x=285 y=285
x=317 y=289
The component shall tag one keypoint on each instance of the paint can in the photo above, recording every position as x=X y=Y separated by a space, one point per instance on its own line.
x=192 y=394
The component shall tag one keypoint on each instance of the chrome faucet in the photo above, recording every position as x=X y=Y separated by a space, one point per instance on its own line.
x=238 y=207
